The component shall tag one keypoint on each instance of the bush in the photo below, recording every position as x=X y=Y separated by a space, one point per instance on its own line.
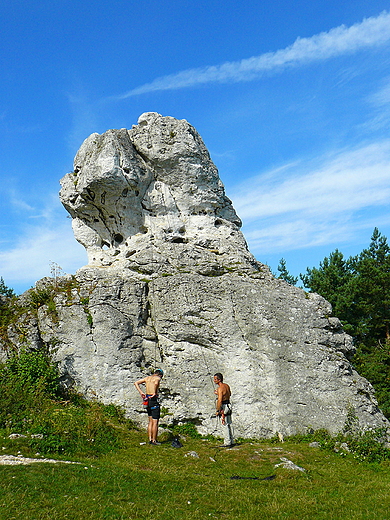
x=31 y=404
x=364 y=445
x=34 y=370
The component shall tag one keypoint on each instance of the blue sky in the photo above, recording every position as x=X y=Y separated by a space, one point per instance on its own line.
x=292 y=100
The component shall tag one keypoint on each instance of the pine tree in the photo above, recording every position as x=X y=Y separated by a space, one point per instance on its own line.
x=359 y=291
x=4 y=290
x=284 y=274
x=372 y=290
x=332 y=280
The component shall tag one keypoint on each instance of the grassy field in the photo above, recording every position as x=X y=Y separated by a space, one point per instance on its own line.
x=147 y=482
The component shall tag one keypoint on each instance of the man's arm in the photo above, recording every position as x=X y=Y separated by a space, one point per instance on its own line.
x=219 y=399
x=140 y=382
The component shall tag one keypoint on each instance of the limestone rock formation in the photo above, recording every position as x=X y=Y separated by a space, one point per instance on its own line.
x=135 y=193
x=171 y=283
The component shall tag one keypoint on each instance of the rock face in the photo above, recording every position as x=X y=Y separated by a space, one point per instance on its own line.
x=171 y=283
x=135 y=193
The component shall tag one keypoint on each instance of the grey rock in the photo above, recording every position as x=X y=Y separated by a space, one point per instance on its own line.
x=289 y=464
x=192 y=454
x=171 y=283
x=342 y=446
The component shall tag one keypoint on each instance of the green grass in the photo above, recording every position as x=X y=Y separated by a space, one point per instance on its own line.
x=119 y=476
x=147 y=482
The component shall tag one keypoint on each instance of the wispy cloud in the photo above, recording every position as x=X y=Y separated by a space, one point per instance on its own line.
x=303 y=206
x=18 y=202
x=340 y=40
x=29 y=258
x=44 y=235
x=382 y=96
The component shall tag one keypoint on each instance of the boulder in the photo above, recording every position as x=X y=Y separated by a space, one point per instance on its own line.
x=170 y=283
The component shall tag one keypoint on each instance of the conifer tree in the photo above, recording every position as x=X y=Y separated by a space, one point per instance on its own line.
x=284 y=274
x=6 y=291
x=359 y=290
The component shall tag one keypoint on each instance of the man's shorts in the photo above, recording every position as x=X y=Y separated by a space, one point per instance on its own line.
x=153 y=408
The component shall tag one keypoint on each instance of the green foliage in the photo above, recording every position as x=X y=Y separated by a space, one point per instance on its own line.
x=284 y=274
x=33 y=370
x=374 y=365
x=369 y=445
x=39 y=297
x=32 y=404
x=6 y=309
x=363 y=445
x=359 y=290
x=188 y=429
x=67 y=428
x=4 y=290
x=332 y=280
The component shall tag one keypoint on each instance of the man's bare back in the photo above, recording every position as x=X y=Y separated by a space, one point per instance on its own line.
x=152 y=384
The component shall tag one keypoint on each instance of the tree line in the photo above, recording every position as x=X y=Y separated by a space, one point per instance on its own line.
x=358 y=289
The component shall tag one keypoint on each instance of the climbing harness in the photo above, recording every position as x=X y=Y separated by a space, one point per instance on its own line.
x=225 y=410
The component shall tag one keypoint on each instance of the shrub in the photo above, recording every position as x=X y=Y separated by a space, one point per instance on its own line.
x=31 y=404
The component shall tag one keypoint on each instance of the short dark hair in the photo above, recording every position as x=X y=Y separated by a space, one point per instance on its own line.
x=159 y=372
x=219 y=375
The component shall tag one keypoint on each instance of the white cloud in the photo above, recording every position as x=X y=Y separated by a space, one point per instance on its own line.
x=17 y=202
x=338 y=41
x=29 y=259
x=300 y=206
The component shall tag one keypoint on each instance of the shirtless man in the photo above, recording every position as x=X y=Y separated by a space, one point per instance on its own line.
x=224 y=409
x=152 y=384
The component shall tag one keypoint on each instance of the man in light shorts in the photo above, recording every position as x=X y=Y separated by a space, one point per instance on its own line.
x=224 y=409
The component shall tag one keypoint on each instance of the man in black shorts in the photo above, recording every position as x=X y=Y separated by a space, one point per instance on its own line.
x=152 y=384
